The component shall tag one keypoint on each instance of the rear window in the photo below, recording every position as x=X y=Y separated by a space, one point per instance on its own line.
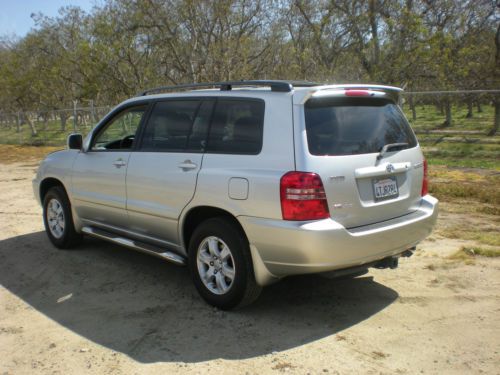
x=351 y=126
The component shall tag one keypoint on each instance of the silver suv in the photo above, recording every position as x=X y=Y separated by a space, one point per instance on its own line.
x=246 y=182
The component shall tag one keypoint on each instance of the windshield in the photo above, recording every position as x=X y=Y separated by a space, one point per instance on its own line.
x=350 y=126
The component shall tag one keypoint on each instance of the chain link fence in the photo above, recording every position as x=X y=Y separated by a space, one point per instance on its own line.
x=453 y=116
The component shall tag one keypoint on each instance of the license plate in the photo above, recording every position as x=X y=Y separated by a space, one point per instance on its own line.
x=385 y=188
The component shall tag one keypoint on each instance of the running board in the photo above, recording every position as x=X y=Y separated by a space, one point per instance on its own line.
x=135 y=245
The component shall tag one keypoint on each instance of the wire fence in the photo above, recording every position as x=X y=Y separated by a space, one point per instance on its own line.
x=48 y=127
x=455 y=116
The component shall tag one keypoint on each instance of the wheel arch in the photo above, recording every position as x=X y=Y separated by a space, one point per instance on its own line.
x=47 y=183
x=196 y=215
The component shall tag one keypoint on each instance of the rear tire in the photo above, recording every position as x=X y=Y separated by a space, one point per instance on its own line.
x=58 y=219
x=221 y=265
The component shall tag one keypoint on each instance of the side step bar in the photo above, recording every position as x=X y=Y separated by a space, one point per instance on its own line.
x=135 y=245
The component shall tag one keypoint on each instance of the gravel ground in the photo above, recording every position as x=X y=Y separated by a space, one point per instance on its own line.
x=101 y=309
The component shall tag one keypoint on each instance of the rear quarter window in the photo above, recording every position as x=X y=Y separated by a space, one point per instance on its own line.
x=351 y=126
x=237 y=127
x=170 y=125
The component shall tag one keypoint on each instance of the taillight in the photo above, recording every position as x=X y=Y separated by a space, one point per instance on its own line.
x=303 y=197
x=425 y=181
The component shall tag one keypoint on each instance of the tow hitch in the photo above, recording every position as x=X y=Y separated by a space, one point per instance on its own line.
x=393 y=261
x=389 y=262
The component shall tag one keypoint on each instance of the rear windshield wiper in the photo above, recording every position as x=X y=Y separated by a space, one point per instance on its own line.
x=391 y=147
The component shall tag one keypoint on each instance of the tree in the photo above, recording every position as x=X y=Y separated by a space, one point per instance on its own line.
x=124 y=46
x=496 y=75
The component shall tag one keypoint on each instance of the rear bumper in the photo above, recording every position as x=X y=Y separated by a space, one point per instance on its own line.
x=281 y=248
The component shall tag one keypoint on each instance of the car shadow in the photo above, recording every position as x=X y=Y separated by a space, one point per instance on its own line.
x=149 y=310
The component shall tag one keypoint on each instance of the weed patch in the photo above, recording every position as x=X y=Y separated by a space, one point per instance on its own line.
x=482 y=186
x=468 y=253
x=15 y=153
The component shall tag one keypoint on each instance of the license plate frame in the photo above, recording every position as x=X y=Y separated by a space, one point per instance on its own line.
x=385 y=188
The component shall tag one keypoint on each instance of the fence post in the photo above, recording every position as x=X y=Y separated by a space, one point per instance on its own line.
x=75 y=102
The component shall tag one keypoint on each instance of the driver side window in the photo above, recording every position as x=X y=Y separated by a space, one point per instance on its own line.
x=119 y=133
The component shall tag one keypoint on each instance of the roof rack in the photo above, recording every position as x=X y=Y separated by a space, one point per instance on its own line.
x=275 y=85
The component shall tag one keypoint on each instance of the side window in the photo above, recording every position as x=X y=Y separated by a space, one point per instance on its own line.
x=119 y=133
x=177 y=125
x=237 y=127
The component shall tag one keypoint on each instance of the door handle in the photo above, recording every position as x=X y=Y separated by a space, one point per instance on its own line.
x=187 y=164
x=119 y=163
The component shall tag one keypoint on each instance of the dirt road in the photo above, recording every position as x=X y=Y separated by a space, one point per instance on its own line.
x=101 y=309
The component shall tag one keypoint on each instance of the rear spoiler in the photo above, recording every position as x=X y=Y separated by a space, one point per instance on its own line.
x=390 y=92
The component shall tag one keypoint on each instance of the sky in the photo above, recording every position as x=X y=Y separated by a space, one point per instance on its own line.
x=15 y=14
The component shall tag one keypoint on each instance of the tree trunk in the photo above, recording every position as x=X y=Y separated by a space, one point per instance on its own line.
x=447 y=108
x=63 y=118
x=372 y=14
x=469 y=109
x=18 y=123
x=496 y=75
x=479 y=108
x=8 y=125
x=34 y=133
x=496 y=122
x=45 y=122
x=412 y=108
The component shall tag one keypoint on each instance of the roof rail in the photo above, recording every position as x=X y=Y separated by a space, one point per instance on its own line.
x=275 y=85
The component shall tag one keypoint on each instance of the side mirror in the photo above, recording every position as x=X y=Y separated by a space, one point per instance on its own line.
x=75 y=141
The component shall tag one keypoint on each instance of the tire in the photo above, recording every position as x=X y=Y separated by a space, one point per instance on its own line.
x=209 y=260
x=58 y=219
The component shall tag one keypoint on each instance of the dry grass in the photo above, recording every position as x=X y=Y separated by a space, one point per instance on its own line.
x=489 y=253
x=487 y=236
x=473 y=194
x=482 y=192
x=14 y=154
x=379 y=355
x=489 y=209
x=462 y=254
x=447 y=185
x=465 y=206
x=472 y=184
x=283 y=366
x=468 y=254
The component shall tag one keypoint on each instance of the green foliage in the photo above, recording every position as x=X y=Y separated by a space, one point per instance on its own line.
x=124 y=46
x=429 y=116
x=456 y=148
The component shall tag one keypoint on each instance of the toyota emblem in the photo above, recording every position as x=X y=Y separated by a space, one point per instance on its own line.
x=389 y=168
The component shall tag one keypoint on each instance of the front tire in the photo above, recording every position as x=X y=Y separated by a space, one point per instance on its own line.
x=221 y=264
x=58 y=219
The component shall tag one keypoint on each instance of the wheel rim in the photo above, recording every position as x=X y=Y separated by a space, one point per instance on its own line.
x=215 y=265
x=55 y=218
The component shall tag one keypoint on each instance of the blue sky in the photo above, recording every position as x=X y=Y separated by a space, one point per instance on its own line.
x=15 y=14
